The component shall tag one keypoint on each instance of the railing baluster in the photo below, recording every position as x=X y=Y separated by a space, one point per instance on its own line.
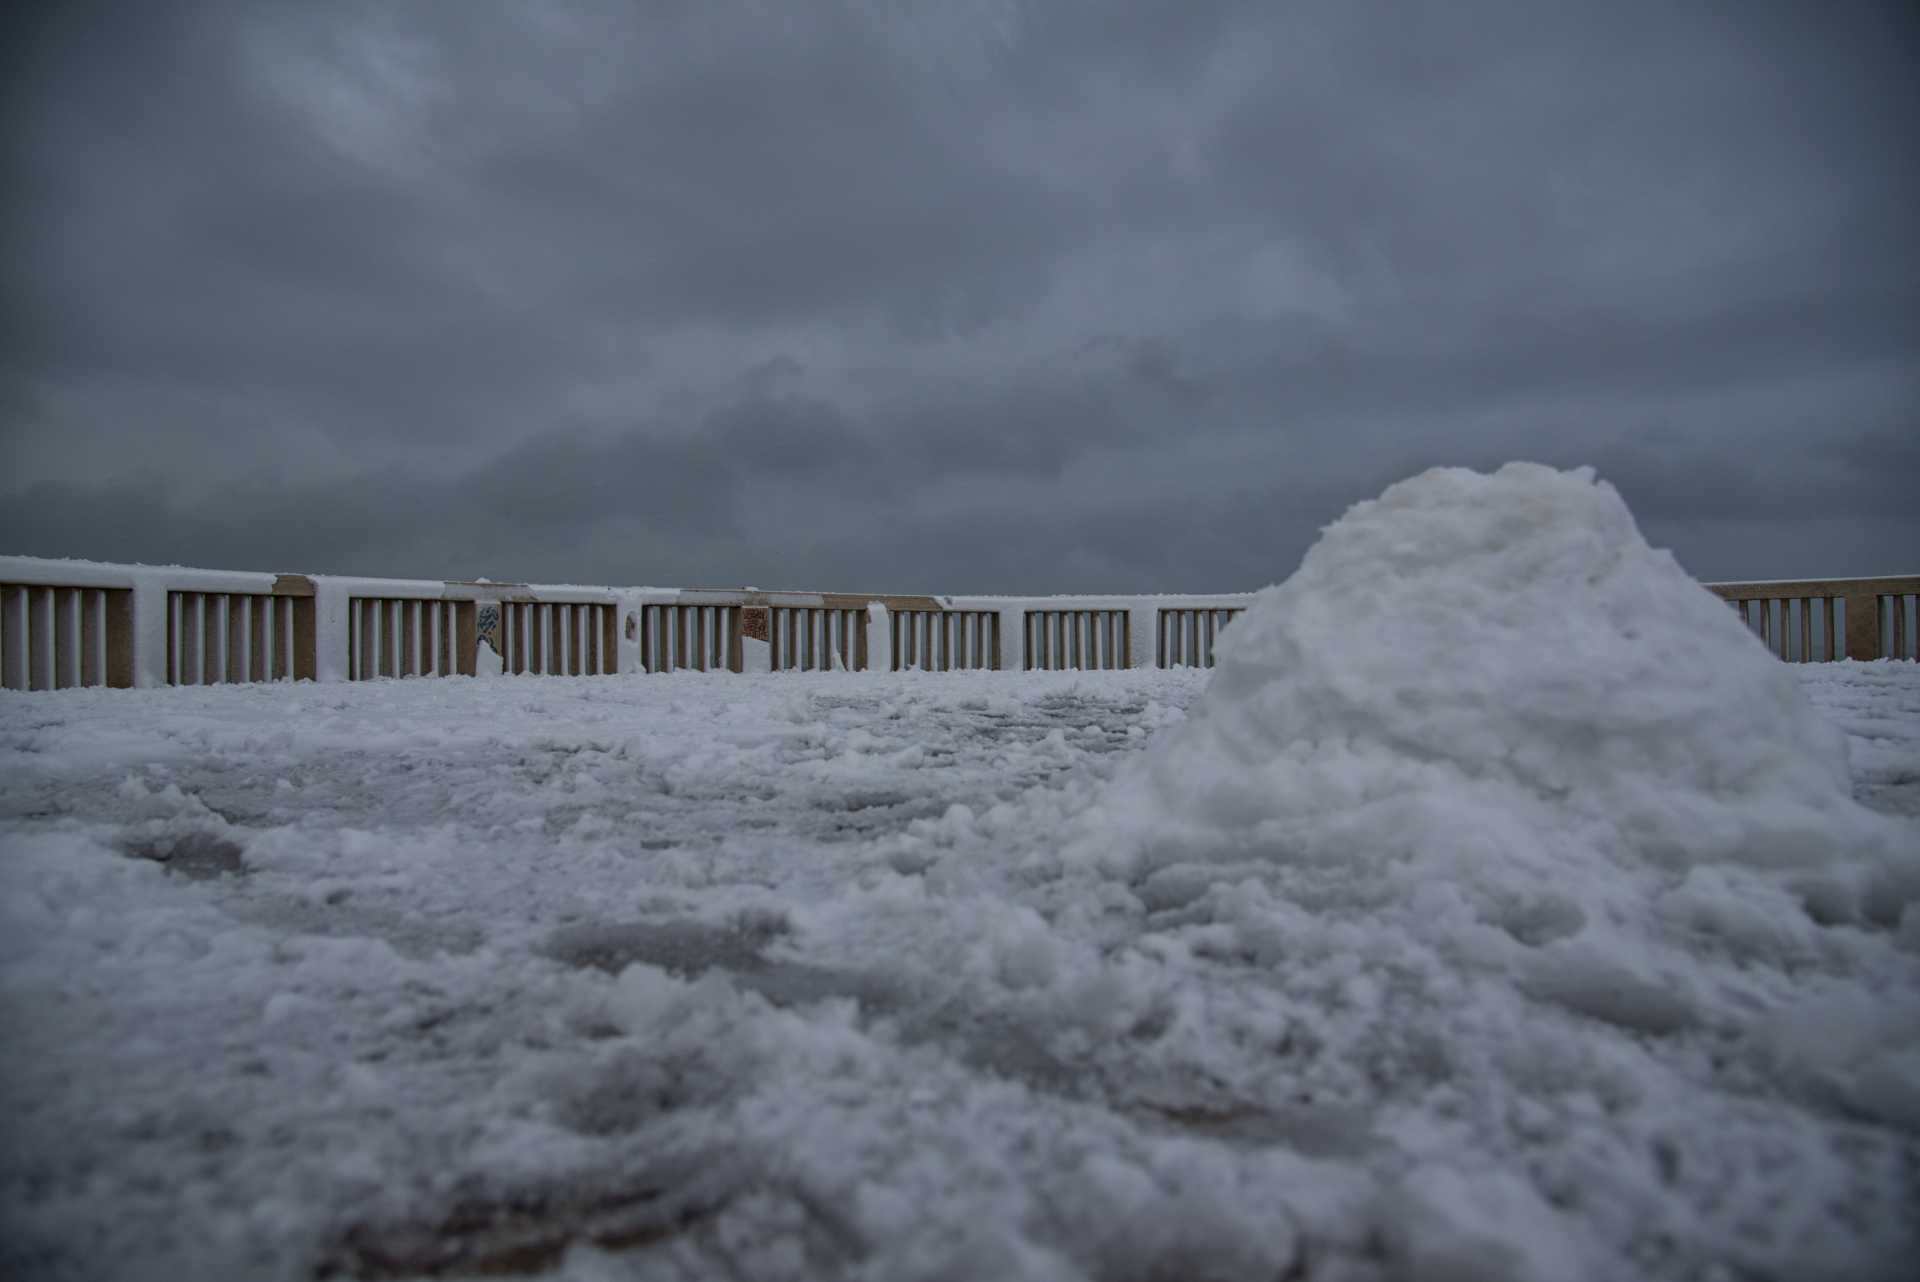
x=93 y=637
x=257 y=610
x=40 y=638
x=463 y=638
x=13 y=638
x=66 y=638
x=192 y=634
x=235 y=667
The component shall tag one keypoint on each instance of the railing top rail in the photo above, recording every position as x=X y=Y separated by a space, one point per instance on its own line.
x=34 y=571
x=487 y=591
x=947 y=600
x=1777 y=589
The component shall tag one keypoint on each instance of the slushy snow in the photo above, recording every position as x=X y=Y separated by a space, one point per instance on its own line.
x=1500 y=910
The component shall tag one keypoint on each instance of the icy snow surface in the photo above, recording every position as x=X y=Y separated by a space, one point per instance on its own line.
x=1480 y=958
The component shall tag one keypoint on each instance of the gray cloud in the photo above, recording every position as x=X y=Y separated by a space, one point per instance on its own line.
x=1083 y=295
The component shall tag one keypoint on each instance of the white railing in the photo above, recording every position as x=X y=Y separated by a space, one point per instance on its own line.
x=1185 y=637
x=77 y=623
x=1815 y=620
x=1086 y=639
x=809 y=638
x=690 y=636
x=53 y=637
x=559 y=638
x=945 y=640
x=216 y=638
x=394 y=636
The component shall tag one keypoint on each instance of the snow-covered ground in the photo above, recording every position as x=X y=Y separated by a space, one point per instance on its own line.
x=399 y=999
x=1328 y=968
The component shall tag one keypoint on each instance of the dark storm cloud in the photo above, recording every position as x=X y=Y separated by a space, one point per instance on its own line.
x=1078 y=295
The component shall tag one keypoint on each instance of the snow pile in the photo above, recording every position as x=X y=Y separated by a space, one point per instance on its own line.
x=1555 y=876
x=1490 y=687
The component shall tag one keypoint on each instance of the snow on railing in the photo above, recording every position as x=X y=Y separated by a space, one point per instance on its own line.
x=1814 y=620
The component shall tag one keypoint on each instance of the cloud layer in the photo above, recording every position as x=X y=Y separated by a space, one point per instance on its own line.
x=959 y=297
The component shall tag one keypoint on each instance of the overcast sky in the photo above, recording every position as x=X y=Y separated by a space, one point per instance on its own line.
x=947 y=297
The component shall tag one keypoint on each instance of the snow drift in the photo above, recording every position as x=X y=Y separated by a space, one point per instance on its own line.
x=1558 y=873
x=1488 y=694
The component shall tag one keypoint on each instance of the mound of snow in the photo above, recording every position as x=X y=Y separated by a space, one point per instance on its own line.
x=1487 y=694
x=1555 y=869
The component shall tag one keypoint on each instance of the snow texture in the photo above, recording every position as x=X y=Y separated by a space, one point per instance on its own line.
x=1501 y=911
